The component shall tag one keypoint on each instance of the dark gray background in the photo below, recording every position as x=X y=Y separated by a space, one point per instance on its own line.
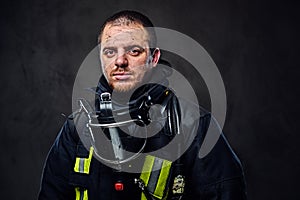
x=254 y=44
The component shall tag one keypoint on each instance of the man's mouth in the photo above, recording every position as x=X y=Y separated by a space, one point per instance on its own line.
x=121 y=75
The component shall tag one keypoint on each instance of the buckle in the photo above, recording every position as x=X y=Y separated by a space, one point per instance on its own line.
x=105 y=96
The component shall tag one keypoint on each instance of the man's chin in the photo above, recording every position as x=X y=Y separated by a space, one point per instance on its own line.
x=125 y=87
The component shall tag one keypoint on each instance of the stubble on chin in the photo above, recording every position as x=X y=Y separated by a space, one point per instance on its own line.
x=123 y=87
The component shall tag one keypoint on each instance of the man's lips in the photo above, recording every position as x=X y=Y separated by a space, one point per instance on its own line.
x=121 y=76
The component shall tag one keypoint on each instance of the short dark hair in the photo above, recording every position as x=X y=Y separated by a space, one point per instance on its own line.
x=126 y=17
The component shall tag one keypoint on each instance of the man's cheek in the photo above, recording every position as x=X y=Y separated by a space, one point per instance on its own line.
x=106 y=61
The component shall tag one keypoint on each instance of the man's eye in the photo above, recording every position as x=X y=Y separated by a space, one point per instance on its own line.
x=109 y=52
x=135 y=51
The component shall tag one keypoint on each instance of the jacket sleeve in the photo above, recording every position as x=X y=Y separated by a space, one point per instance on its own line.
x=218 y=173
x=59 y=163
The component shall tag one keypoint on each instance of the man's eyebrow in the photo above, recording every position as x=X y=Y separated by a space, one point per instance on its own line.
x=110 y=48
x=133 y=46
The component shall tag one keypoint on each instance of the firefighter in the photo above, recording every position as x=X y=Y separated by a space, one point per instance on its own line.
x=138 y=140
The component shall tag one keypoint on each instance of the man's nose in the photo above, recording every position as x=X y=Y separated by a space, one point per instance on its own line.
x=121 y=61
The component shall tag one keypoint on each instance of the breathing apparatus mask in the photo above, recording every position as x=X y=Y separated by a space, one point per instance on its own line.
x=118 y=131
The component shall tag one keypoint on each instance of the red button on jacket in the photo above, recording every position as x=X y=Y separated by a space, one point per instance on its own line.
x=119 y=186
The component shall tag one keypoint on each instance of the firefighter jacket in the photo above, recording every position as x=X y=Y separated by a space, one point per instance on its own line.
x=71 y=172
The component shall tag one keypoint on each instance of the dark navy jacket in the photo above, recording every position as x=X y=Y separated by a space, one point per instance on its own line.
x=216 y=176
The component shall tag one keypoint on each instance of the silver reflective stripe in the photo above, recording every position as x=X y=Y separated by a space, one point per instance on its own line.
x=81 y=194
x=156 y=168
x=81 y=165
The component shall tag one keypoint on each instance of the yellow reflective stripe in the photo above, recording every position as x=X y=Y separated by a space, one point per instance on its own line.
x=162 y=180
x=143 y=197
x=87 y=162
x=79 y=164
x=81 y=194
x=76 y=167
x=147 y=168
x=82 y=165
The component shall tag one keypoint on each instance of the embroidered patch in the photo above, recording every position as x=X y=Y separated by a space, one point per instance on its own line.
x=178 y=185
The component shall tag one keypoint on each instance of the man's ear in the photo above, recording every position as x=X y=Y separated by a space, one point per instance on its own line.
x=155 y=57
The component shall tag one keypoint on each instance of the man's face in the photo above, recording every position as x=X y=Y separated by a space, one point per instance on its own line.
x=125 y=55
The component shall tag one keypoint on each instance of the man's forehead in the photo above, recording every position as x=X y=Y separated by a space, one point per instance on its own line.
x=133 y=33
